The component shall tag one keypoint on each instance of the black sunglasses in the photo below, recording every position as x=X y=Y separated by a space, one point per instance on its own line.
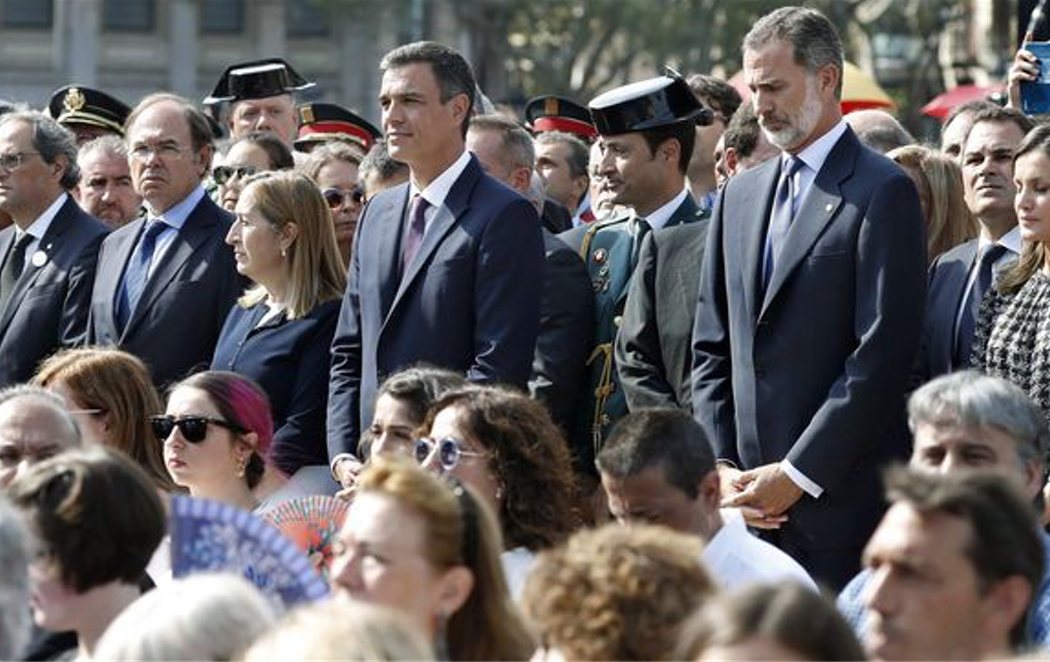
x=335 y=198
x=192 y=428
x=223 y=174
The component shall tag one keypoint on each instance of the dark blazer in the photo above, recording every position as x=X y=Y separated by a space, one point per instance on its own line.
x=555 y=217
x=289 y=359
x=815 y=368
x=653 y=349
x=48 y=309
x=566 y=328
x=176 y=324
x=469 y=301
x=947 y=286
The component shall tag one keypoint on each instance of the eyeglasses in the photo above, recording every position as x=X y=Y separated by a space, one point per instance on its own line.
x=223 y=174
x=337 y=198
x=192 y=428
x=168 y=150
x=13 y=160
x=449 y=451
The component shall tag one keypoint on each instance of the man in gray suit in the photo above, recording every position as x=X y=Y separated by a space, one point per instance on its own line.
x=810 y=308
x=168 y=280
x=50 y=252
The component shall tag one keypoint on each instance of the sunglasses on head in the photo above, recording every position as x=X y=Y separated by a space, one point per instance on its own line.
x=223 y=174
x=336 y=198
x=192 y=428
x=449 y=451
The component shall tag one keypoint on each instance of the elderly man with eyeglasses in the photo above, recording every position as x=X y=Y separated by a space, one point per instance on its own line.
x=49 y=253
x=167 y=280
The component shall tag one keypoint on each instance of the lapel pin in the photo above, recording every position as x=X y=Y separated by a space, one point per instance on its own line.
x=39 y=259
x=600 y=255
x=828 y=207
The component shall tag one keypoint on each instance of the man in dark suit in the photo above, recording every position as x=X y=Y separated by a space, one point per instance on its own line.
x=506 y=152
x=50 y=252
x=647 y=131
x=960 y=277
x=654 y=357
x=445 y=268
x=810 y=309
x=167 y=281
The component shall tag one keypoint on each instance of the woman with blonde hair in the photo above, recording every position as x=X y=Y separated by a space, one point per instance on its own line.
x=938 y=179
x=279 y=332
x=111 y=396
x=413 y=542
x=334 y=167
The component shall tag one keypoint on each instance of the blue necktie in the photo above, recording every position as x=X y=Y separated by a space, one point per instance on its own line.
x=780 y=220
x=972 y=306
x=137 y=272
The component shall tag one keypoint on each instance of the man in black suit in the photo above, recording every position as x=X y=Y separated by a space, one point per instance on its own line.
x=167 y=281
x=506 y=152
x=960 y=277
x=810 y=309
x=445 y=268
x=49 y=254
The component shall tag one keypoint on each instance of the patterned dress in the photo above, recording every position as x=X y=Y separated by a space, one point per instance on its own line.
x=1012 y=338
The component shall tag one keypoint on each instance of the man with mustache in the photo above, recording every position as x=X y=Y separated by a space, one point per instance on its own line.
x=810 y=309
x=646 y=135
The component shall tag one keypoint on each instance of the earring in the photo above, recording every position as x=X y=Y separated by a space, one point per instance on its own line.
x=284 y=253
x=499 y=492
x=241 y=464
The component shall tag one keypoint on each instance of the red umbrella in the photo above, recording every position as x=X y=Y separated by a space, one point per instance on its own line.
x=943 y=103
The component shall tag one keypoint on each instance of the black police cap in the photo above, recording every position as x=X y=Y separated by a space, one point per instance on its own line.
x=76 y=104
x=647 y=104
x=257 y=79
x=553 y=113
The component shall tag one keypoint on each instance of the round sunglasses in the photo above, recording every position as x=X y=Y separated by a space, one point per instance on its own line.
x=449 y=451
x=192 y=428
x=336 y=198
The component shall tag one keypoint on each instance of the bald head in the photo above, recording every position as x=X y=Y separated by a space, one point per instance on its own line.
x=34 y=425
x=878 y=130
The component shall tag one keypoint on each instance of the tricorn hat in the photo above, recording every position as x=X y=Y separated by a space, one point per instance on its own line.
x=552 y=113
x=76 y=104
x=647 y=104
x=321 y=122
x=257 y=79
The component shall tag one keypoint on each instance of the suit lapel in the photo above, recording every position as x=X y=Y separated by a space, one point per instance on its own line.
x=199 y=227
x=108 y=275
x=445 y=218
x=750 y=233
x=390 y=219
x=34 y=265
x=819 y=207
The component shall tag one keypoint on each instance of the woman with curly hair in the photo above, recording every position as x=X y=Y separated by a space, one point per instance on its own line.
x=505 y=445
x=616 y=593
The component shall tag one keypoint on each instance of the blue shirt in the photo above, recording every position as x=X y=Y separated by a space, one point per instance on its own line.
x=851 y=604
x=289 y=359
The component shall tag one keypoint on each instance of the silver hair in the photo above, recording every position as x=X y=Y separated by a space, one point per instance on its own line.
x=813 y=38
x=48 y=398
x=518 y=150
x=974 y=400
x=108 y=144
x=51 y=140
x=14 y=582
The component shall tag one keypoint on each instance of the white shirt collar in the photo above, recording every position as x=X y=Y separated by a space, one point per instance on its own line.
x=661 y=216
x=1011 y=241
x=38 y=228
x=437 y=190
x=816 y=153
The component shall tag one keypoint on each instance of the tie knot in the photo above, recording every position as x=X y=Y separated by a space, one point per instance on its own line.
x=24 y=239
x=792 y=165
x=993 y=253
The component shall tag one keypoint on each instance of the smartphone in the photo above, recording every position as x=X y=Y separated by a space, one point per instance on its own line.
x=1035 y=96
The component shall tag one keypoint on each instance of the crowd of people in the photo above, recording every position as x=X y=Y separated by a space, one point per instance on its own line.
x=673 y=374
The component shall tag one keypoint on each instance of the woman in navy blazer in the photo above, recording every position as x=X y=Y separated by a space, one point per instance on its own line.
x=280 y=331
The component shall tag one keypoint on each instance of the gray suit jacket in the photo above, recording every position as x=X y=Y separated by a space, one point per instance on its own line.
x=48 y=309
x=653 y=349
x=814 y=369
x=176 y=324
